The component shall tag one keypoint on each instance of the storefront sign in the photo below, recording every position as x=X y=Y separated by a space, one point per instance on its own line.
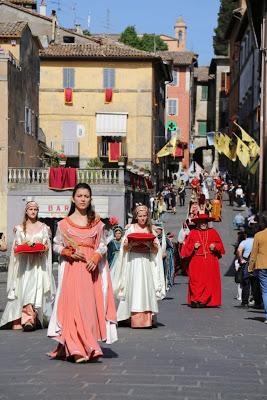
x=59 y=206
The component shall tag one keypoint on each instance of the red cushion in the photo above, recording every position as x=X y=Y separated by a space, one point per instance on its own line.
x=141 y=237
x=26 y=248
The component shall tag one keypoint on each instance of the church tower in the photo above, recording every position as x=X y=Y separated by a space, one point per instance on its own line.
x=180 y=33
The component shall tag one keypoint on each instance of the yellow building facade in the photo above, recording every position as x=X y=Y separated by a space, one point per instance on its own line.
x=84 y=128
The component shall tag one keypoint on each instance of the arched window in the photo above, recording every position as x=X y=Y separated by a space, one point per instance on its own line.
x=180 y=36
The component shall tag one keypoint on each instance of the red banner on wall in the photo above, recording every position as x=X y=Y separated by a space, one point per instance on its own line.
x=68 y=96
x=114 y=152
x=108 y=95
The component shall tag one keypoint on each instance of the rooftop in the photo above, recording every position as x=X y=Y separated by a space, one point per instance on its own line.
x=30 y=2
x=18 y=6
x=178 y=57
x=99 y=47
x=12 y=29
x=201 y=74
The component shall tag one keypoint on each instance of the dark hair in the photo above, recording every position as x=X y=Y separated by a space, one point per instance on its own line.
x=250 y=232
x=90 y=211
x=263 y=220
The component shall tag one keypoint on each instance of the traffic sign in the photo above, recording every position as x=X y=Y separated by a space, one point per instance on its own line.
x=171 y=126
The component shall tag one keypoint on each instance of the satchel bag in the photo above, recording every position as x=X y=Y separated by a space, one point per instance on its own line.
x=239 y=275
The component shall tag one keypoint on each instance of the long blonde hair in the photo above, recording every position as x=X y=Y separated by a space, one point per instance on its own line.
x=148 y=222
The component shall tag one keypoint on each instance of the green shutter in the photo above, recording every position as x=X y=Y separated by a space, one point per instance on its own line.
x=202 y=128
x=204 y=92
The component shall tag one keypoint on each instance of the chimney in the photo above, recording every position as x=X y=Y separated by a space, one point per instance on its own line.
x=54 y=26
x=43 y=8
x=78 y=29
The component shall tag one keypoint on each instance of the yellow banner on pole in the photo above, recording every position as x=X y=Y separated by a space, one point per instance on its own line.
x=254 y=148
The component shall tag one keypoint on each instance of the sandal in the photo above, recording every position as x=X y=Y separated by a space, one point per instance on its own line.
x=80 y=360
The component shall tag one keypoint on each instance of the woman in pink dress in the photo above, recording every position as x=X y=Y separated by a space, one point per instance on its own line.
x=84 y=311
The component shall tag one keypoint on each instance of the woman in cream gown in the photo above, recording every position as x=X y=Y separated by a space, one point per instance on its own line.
x=30 y=283
x=138 y=277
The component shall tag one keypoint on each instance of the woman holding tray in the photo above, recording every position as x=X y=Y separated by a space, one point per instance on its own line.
x=30 y=283
x=84 y=311
x=138 y=275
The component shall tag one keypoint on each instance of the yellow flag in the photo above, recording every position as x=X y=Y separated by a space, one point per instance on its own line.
x=254 y=148
x=229 y=149
x=169 y=148
x=242 y=151
x=253 y=165
x=219 y=142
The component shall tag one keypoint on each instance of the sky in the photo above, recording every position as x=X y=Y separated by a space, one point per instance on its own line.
x=148 y=16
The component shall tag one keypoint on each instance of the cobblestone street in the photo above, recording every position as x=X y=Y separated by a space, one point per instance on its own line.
x=209 y=354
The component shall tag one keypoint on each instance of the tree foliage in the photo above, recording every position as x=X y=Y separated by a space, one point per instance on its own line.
x=147 y=42
x=86 y=32
x=220 y=45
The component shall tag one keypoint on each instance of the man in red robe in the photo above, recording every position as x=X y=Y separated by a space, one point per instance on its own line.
x=204 y=247
x=195 y=185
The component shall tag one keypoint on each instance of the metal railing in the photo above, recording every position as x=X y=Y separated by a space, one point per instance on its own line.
x=40 y=175
x=103 y=149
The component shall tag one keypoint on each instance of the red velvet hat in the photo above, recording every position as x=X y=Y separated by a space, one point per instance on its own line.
x=202 y=217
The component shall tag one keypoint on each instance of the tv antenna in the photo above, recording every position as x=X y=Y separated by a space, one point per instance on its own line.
x=107 y=25
x=73 y=8
x=58 y=3
x=89 y=21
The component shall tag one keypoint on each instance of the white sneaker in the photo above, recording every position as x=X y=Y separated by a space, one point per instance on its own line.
x=265 y=321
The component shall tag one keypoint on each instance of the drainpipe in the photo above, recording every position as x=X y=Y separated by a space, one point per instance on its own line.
x=263 y=117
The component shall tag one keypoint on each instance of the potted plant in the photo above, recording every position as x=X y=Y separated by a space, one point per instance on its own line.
x=94 y=163
x=121 y=161
x=58 y=159
x=62 y=159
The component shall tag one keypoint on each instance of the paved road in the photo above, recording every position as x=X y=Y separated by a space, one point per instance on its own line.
x=209 y=354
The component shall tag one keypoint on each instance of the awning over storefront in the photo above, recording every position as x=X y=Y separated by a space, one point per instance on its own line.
x=111 y=124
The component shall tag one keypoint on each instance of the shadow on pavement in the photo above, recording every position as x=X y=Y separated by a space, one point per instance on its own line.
x=108 y=353
x=259 y=319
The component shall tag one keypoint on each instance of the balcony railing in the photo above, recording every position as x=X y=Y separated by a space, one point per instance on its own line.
x=103 y=149
x=67 y=146
x=37 y=176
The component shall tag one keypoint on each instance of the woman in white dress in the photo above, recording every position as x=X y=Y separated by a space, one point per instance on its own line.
x=138 y=276
x=30 y=283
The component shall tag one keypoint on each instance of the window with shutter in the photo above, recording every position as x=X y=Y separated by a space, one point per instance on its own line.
x=27 y=120
x=172 y=107
x=108 y=78
x=202 y=128
x=223 y=81
x=68 y=78
x=69 y=138
x=204 y=92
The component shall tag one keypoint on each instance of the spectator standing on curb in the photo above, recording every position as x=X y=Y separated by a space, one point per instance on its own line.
x=3 y=245
x=231 y=193
x=238 y=221
x=258 y=259
x=239 y=195
x=181 y=193
x=243 y=254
